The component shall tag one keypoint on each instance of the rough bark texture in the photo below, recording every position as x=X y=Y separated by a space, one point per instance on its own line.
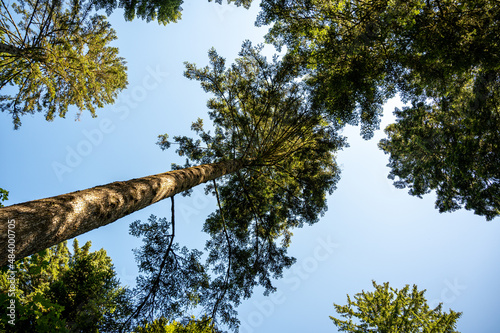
x=5 y=48
x=42 y=223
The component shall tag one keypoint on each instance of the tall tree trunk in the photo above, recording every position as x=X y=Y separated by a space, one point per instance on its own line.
x=42 y=223
x=6 y=48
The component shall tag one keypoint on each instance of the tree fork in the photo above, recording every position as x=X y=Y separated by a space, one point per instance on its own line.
x=42 y=223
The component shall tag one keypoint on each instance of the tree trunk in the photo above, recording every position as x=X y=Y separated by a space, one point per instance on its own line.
x=42 y=223
x=5 y=48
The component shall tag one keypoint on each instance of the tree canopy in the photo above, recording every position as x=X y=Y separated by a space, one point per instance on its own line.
x=274 y=155
x=57 y=290
x=164 y=11
x=261 y=116
x=391 y=310
x=452 y=148
x=57 y=55
x=440 y=56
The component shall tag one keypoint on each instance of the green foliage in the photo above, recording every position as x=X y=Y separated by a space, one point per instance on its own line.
x=57 y=56
x=336 y=45
x=57 y=291
x=360 y=53
x=191 y=325
x=442 y=57
x=391 y=310
x=262 y=117
x=4 y=196
x=453 y=148
x=35 y=310
x=164 y=11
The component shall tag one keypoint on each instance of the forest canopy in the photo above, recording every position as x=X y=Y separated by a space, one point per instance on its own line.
x=441 y=58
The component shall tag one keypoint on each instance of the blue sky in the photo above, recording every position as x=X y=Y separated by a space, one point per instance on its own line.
x=371 y=230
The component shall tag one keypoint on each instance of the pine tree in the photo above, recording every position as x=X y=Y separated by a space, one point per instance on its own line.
x=389 y=310
x=277 y=149
x=60 y=291
x=57 y=56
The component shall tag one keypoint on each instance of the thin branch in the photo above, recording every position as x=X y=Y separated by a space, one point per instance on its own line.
x=226 y=282
x=255 y=213
x=28 y=26
x=156 y=282
x=10 y=17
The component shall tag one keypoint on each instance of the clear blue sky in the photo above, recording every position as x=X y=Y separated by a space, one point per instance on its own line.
x=371 y=230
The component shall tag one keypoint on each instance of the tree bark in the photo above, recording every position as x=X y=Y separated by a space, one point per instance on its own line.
x=42 y=223
x=5 y=48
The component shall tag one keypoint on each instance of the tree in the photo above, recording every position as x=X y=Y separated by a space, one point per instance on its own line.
x=440 y=56
x=391 y=310
x=45 y=222
x=65 y=292
x=452 y=148
x=91 y=294
x=28 y=282
x=165 y=11
x=278 y=150
x=290 y=146
x=448 y=139
x=57 y=56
